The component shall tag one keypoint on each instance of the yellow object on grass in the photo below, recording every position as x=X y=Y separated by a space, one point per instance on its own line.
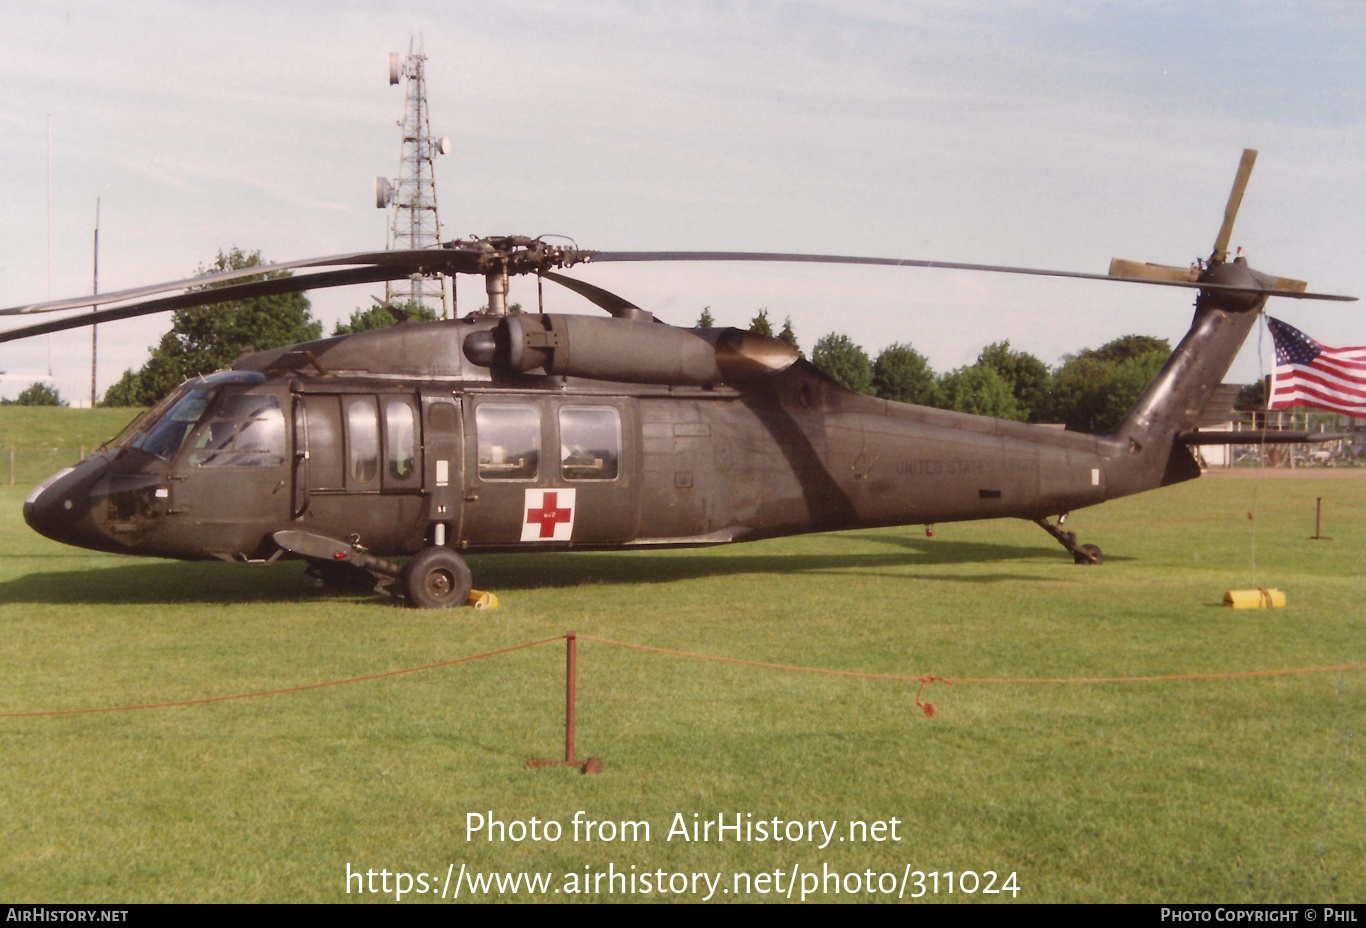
x=1254 y=599
x=480 y=599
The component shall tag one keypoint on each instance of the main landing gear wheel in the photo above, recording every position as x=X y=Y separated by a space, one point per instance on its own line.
x=437 y=578
x=1090 y=555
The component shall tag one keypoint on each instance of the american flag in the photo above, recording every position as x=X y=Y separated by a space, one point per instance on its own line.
x=1312 y=374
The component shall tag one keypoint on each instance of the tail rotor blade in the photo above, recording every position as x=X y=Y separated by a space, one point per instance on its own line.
x=1282 y=285
x=1137 y=270
x=1235 y=199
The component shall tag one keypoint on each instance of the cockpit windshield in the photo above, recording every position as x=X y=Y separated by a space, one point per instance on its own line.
x=162 y=429
x=167 y=434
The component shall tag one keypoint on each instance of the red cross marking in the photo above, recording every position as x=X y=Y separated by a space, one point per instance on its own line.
x=547 y=517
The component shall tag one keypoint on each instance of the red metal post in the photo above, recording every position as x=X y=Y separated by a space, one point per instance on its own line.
x=570 y=686
x=1318 y=522
x=592 y=766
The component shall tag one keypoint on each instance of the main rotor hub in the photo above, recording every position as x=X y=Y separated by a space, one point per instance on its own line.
x=498 y=257
x=518 y=254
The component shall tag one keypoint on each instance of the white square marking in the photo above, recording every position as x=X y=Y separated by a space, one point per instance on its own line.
x=548 y=515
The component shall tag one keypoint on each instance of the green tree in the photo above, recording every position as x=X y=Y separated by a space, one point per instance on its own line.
x=1128 y=347
x=206 y=338
x=1093 y=390
x=126 y=391
x=1251 y=396
x=846 y=363
x=381 y=316
x=789 y=335
x=1027 y=376
x=901 y=373
x=705 y=321
x=760 y=325
x=980 y=390
x=36 y=394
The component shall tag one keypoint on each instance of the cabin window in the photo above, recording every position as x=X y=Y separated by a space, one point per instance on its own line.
x=509 y=441
x=400 y=422
x=326 y=464
x=244 y=431
x=590 y=442
x=166 y=436
x=362 y=431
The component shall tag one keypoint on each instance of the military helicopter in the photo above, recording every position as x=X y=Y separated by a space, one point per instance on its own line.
x=509 y=431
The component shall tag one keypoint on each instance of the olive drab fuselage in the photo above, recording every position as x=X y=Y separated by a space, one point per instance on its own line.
x=393 y=440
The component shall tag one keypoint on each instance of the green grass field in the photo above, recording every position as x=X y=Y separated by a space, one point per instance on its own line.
x=44 y=439
x=1207 y=790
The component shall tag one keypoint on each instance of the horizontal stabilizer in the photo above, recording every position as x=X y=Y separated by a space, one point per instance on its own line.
x=1219 y=407
x=1258 y=437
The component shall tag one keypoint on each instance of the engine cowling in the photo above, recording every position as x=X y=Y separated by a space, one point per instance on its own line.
x=626 y=350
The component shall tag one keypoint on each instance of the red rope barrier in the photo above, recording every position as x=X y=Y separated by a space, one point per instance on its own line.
x=288 y=689
x=924 y=680
x=749 y=663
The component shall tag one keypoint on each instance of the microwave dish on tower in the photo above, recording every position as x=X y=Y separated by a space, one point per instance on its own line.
x=414 y=221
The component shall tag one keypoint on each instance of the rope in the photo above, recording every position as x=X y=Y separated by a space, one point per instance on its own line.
x=922 y=679
x=1261 y=450
x=1244 y=514
x=1338 y=502
x=764 y=664
x=288 y=689
x=925 y=680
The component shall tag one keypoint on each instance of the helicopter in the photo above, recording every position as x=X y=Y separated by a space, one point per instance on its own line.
x=512 y=431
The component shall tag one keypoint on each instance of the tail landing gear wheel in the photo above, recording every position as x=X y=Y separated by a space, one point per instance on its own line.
x=437 y=578
x=1089 y=555
x=1081 y=554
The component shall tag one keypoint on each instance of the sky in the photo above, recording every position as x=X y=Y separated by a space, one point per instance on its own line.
x=1052 y=135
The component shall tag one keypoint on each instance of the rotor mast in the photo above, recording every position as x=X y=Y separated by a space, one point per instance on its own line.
x=496 y=286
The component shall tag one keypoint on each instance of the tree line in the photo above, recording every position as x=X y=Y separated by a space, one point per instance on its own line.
x=1090 y=391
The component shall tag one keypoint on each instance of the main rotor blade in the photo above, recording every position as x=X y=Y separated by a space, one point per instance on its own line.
x=362 y=275
x=783 y=257
x=1235 y=199
x=408 y=261
x=616 y=305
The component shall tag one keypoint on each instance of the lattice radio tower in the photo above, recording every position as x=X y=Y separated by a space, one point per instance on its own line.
x=414 y=222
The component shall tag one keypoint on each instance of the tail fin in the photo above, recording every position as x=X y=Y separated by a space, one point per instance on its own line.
x=1177 y=396
x=1173 y=402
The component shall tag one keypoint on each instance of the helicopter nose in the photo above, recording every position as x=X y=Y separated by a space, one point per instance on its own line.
x=35 y=508
x=59 y=508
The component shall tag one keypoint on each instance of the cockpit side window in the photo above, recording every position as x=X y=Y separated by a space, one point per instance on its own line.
x=244 y=431
x=164 y=437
